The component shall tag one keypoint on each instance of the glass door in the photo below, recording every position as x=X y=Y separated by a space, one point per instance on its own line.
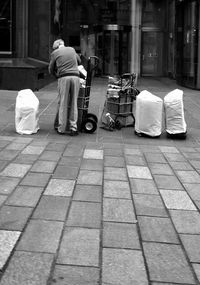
x=152 y=53
x=111 y=52
x=6 y=27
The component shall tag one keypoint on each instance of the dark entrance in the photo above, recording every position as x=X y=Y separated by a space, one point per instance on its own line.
x=113 y=49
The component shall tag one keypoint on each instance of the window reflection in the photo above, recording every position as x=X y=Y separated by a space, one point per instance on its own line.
x=5 y=26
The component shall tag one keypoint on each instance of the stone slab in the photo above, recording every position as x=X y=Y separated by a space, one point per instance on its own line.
x=33 y=150
x=193 y=189
x=135 y=160
x=115 y=173
x=149 y=205
x=114 y=161
x=90 y=177
x=26 y=196
x=167 y=182
x=36 y=179
x=41 y=236
x=141 y=172
x=90 y=193
x=93 y=154
x=188 y=176
x=157 y=229
x=84 y=214
x=167 y=263
x=44 y=166
x=191 y=244
x=117 y=189
x=143 y=186
x=187 y=222
x=120 y=235
x=8 y=240
x=92 y=164
x=14 y=218
x=28 y=268
x=121 y=266
x=15 y=170
x=118 y=210
x=8 y=184
x=178 y=200
x=51 y=155
x=160 y=168
x=60 y=187
x=75 y=275
x=52 y=208
x=155 y=157
x=66 y=172
x=80 y=246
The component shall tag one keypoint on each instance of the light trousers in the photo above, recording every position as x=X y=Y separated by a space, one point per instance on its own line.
x=68 y=90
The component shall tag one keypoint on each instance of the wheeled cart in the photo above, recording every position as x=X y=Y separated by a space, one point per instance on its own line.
x=86 y=121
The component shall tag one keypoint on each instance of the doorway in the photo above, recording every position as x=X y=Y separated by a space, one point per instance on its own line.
x=113 y=49
x=152 y=53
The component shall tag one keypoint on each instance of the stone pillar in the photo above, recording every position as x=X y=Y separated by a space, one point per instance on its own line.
x=136 y=35
x=21 y=34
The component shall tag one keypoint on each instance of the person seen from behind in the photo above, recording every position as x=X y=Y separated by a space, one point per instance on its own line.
x=64 y=65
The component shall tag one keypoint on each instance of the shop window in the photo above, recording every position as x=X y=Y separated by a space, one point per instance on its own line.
x=6 y=27
x=153 y=15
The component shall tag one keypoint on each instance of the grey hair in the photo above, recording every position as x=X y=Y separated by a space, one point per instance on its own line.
x=57 y=43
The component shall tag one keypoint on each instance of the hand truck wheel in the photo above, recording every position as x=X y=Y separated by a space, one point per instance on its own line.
x=92 y=116
x=89 y=125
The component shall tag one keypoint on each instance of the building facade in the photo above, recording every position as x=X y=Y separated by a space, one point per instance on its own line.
x=149 y=37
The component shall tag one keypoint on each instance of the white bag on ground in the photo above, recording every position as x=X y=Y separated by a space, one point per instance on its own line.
x=26 y=112
x=174 y=112
x=148 y=114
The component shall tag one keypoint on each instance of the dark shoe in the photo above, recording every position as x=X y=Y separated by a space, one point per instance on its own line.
x=73 y=133
x=61 y=133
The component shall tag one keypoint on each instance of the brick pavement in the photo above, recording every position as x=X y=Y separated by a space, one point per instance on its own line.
x=105 y=208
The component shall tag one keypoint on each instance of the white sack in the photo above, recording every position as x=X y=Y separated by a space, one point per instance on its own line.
x=174 y=112
x=148 y=114
x=26 y=112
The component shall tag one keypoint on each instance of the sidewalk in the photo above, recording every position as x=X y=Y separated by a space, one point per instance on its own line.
x=102 y=208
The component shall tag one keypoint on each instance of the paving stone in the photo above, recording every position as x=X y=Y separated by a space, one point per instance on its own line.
x=120 y=235
x=73 y=151
x=3 y=164
x=157 y=229
x=44 y=166
x=25 y=196
x=74 y=161
x=33 y=150
x=116 y=189
x=149 y=205
x=150 y=148
x=188 y=176
x=75 y=275
x=187 y=222
x=135 y=160
x=132 y=151
x=66 y=172
x=26 y=158
x=55 y=146
x=141 y=172
x=52 y=208
x=168 y=149
x=191 y=244
x=196 y=267
x=122 y=266
x=41 y=236
x=167 y=263
x=92 y=164
x=8 y=240
x=80 y=246
x=51 y=155
x=90 y=193
x=175 y=157
x=194 y=155
x=113 y=151
x=143 y=186
x=93 y=154
x=60 y=187
x=160 y=168
x=84 y=214
x=16 y=170
x=8 y=184
x=8 y=154
x=2 y=199
x=118 y=210
x=167 y=182
x=115 y=173
x=4 y=143
x=16 y=146
x=179 y=165
x=155 y=157
x=114 y=161
x=178 y=200
x=28 y=268
x=195 y=164
x=90 y=177
x=14 y=218
x=36 y=179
